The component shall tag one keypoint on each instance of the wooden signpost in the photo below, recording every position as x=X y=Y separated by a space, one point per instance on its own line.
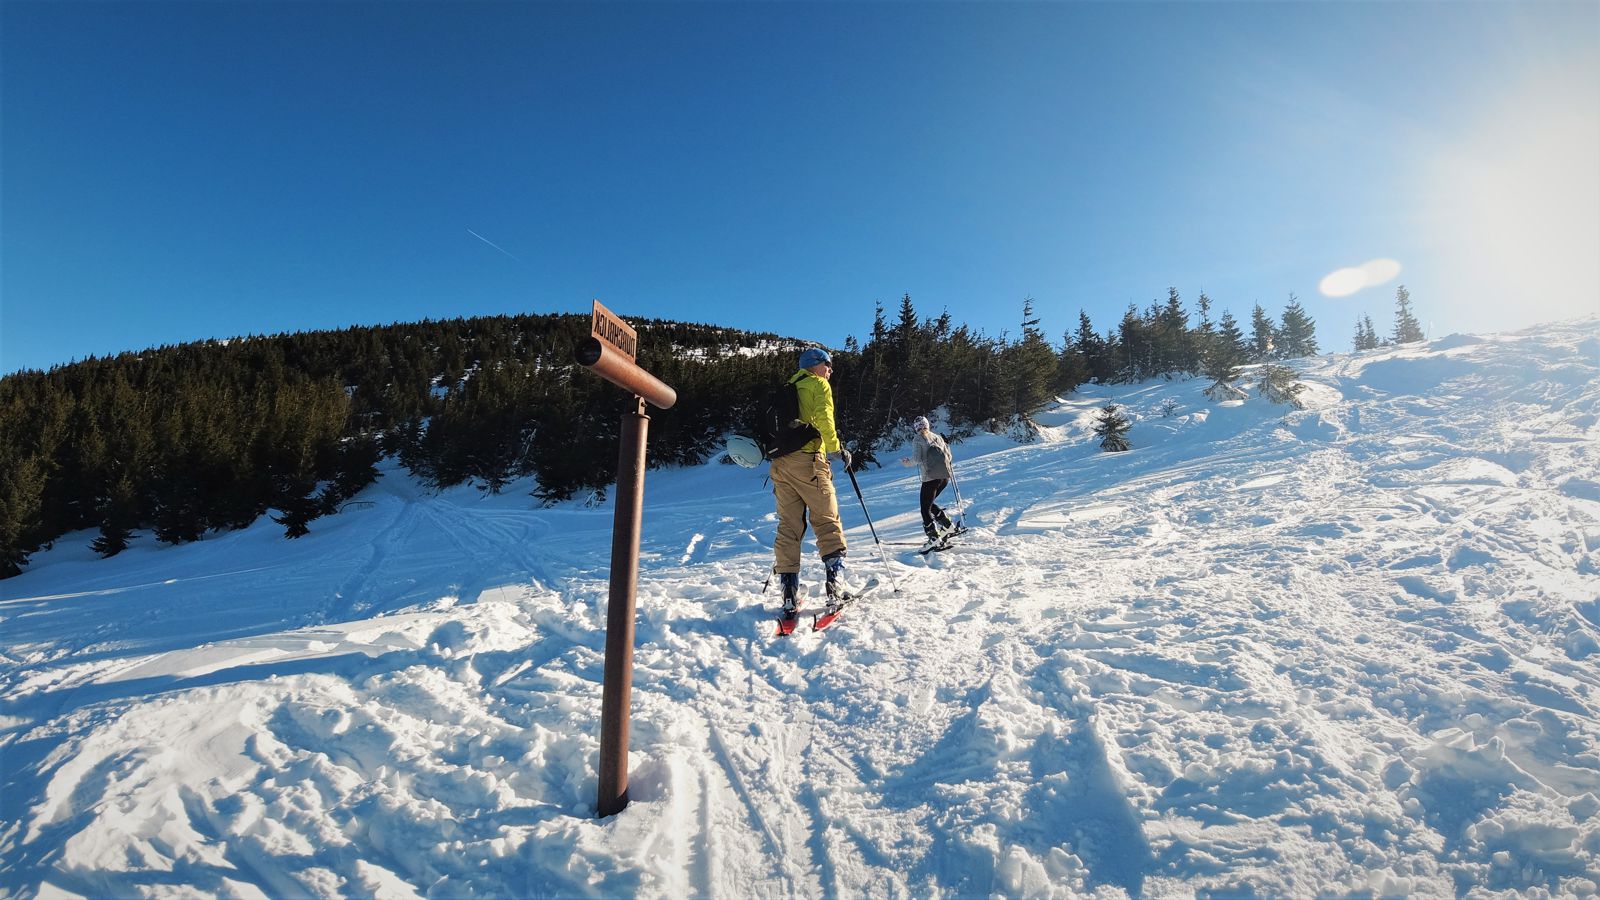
x=610 y=352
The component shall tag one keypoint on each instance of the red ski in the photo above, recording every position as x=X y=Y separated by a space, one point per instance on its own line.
x=837 y=606
x=786 y=624
x=819 y=621
x=823 y=621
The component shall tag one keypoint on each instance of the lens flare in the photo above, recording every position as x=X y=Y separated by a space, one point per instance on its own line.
x=1346 y=281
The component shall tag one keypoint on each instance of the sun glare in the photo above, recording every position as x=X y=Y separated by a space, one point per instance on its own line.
x=1515 y=210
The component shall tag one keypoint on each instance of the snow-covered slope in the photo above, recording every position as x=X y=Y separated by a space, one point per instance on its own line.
x=1351 y=649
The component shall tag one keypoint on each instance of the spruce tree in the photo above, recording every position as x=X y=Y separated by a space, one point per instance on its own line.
x=21 y=487
x=875 y=388
x=50 y=419
x=179 y=513
x=1204 y=334
x=1366 y=336
x=499 y=403
x=1222 y=364
x=85 y=457
x=118 y=518
x=1096 y=353
x=1232 y=338
x=1134 y=344
x=297 y=506
x=1112 y=428
x=356 y=467
x=1406 y=327
x=1178 y=351
x=1032 y=363
x=1072 y=366
x=1277 y=385
x=1297 y=337
x=1261 y=334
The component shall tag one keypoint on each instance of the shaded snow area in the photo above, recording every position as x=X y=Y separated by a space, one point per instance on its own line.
x=1353 y=649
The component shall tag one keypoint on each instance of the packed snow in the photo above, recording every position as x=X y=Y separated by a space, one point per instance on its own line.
x=1350 y=649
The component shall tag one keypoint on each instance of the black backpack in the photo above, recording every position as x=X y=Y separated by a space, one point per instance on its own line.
x=779 y=429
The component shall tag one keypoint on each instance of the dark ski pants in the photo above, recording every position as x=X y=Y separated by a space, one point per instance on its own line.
x=931 y=512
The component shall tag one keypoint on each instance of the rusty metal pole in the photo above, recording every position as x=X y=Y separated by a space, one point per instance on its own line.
x=609 y=353
x=617 y=691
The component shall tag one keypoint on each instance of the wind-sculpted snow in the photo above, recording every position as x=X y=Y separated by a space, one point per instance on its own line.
x=1352 y=649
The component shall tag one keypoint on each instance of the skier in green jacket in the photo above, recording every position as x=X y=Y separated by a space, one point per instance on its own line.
x=802 y=483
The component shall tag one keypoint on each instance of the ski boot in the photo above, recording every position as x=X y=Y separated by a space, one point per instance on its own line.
x=791 y=592
x=839 y=590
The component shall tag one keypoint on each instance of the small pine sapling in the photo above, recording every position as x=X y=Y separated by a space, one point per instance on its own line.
x=1111 y=426
x=1278 y=386
x=297 y=504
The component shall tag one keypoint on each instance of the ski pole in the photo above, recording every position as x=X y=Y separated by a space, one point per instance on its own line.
x=885 y=559
x=961 y=506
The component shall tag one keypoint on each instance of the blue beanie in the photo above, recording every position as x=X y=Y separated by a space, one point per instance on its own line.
x=814 y=356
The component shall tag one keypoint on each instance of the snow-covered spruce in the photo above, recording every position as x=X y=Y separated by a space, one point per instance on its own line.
x=1276 y=384
x=1112 y=428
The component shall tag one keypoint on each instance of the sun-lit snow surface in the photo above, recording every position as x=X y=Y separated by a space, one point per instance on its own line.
x=1349 y=649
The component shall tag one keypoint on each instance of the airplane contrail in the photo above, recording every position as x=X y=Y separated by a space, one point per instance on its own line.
x=492 y=244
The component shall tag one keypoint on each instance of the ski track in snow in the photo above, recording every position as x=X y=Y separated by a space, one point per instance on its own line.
x=1345 y=650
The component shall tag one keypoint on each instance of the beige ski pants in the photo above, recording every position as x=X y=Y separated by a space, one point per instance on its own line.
x=802 y=483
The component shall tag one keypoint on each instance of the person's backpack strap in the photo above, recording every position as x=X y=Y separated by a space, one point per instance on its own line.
x=793 y=431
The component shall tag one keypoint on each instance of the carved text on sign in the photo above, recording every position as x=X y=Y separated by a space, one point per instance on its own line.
x=612 y=330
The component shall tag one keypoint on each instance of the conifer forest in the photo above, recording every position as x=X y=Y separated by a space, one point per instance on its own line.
x=174 y=442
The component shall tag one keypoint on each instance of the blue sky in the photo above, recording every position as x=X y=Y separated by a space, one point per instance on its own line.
x=174 y=172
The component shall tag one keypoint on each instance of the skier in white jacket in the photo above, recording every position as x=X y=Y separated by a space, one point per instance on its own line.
x=932 y=456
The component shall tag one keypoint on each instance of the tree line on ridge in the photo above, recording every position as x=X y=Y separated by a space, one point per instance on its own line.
x=184 y=440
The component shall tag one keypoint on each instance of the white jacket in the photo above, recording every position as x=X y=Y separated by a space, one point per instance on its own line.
x=932 y=455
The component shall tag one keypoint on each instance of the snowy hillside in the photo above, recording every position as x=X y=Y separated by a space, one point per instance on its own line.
x=1352 y=649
